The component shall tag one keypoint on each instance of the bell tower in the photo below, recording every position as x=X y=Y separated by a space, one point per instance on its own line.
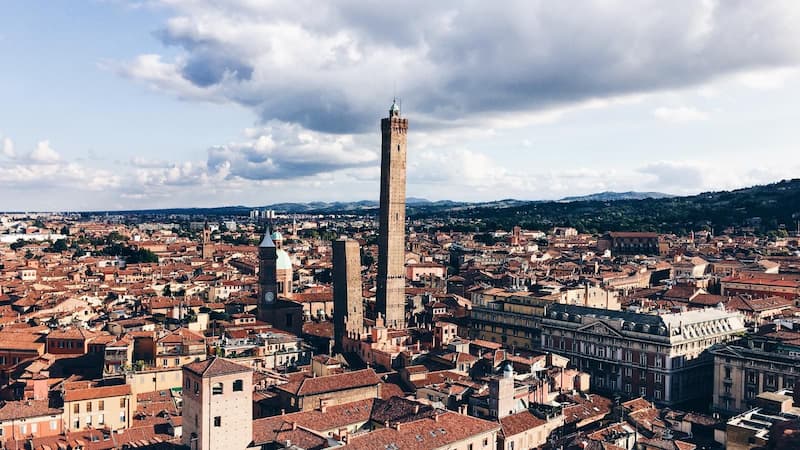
x=267 y=275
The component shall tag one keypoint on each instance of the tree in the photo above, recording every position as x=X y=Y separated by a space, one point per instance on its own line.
x=18 y=245
x=59 y=246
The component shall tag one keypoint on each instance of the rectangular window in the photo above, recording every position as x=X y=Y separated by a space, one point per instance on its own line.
x=76 y=408
x=218 y=421
x=88 y=406
x=658 y=394
x=238 y=385
x=23 y=429
x=101 y=419
x=659 y=377
x=122 y=402
x=101 y=405
x=727 y=373
x=643 y=391
x=53 y=425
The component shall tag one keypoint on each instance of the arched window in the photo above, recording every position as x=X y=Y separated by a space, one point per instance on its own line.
x=216 y=389
x=238 y=386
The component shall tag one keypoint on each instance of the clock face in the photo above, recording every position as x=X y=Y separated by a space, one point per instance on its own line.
x=269 y=297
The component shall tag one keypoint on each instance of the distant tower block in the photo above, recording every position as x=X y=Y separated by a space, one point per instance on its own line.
x=348 y=306
x=391 y=281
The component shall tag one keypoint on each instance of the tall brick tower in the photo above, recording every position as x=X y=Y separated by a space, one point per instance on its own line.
x=348 y=306
x=207 y=248
x=391 y=296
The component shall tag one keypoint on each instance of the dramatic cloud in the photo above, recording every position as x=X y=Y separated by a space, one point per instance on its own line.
x=281 y=151
x=331 y=66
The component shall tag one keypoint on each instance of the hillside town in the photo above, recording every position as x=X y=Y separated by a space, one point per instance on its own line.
x=377 y=331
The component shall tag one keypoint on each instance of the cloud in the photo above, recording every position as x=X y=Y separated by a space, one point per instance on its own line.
x=8 y=148
x=44 y=154
x=679 y=114
x=282 y=151
x=692 y=176
x=331 y=67
x=767 y=79
x=43 y=169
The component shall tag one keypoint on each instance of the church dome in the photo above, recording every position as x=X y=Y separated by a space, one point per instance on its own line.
x=283 y=261
x=277 y=236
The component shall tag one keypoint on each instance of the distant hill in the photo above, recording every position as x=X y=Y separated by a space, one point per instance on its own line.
x=609 y=196
x=759 y=209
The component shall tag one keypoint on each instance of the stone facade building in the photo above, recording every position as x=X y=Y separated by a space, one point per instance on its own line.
x=660 y=357
x=766 y=361
x=311 y=393
x=217 y=405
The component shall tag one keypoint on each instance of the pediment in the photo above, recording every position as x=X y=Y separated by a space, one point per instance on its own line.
x=599 y=328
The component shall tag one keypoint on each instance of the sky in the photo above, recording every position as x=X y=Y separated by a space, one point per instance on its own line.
x=112 y=104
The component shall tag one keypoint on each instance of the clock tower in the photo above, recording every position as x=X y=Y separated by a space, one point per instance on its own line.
x=267 y=275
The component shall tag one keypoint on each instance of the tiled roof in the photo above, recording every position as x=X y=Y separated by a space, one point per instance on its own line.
x=333 y=418
x=24 y=409
x=518 y=423
x=215 y=367
x=446 y=429
x=330 y=383
x=277 y=429
x=93 y=392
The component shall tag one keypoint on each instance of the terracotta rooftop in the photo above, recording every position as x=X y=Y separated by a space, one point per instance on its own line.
x=24 y=409
x=214 y=367
x=330 y=383
x=446 y=429
x=88 y=392
x=518 y=423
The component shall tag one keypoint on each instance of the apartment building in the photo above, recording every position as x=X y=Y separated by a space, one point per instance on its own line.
x=765 y=361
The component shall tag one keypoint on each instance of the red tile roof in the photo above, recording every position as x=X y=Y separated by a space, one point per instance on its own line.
x=214 y=367
x=331 y=383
